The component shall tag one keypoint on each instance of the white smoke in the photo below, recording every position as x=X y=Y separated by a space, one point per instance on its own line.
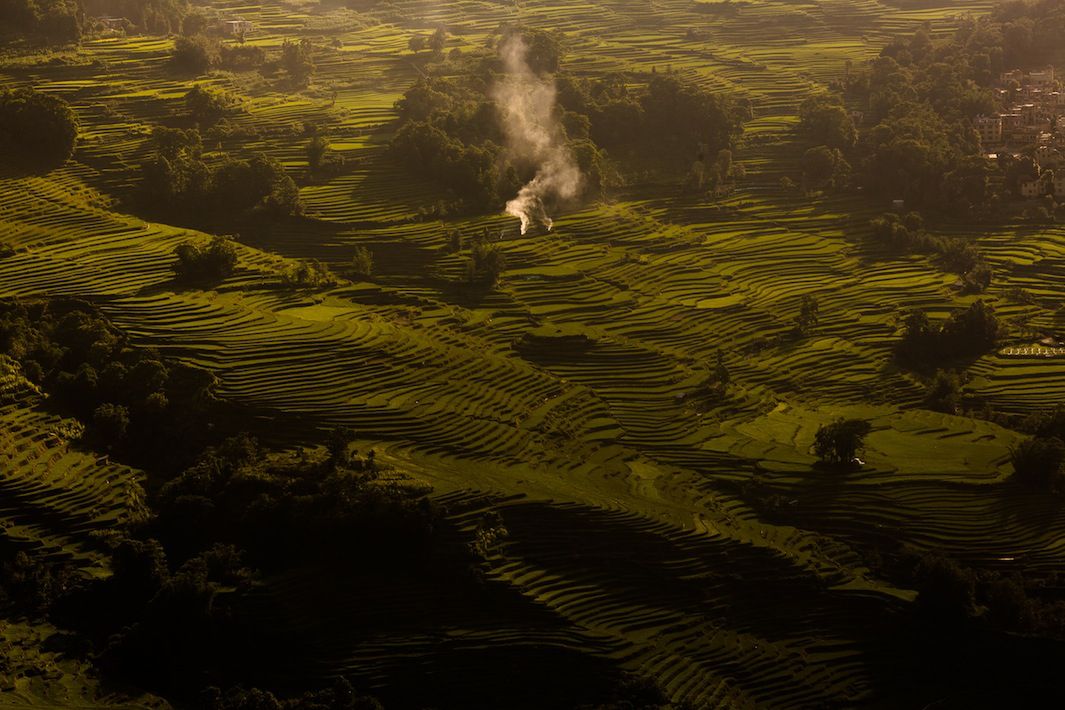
x=526 y=104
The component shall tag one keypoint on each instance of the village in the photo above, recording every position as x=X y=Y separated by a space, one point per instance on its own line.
x=1030 y=125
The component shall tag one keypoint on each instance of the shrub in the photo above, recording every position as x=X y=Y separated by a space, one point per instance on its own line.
x=308 y=274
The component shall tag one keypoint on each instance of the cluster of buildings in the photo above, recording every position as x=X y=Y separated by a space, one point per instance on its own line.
x=228 y=27
x=1034 y=122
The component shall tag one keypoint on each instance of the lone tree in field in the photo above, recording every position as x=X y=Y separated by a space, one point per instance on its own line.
x=838 y=444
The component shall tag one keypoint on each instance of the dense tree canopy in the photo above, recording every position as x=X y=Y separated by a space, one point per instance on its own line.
x=37 y=130
x=179 y=183
x=967 y=333
x=451 y=129
x=51 y=20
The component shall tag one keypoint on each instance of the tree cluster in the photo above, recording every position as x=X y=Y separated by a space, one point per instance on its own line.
x=951 y=594
x=158 y=17
x=906 y=234
x=213 y=261
x=50 y=20
x=967 y=333
x=38 y=131
x=450 y=128
x=1039 y=461
x=178 y=183
x=136 y=402
x=916 y=102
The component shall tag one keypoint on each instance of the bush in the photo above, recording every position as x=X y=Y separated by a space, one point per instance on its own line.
x=241 y=57
x=808 y=314
x=37 y=130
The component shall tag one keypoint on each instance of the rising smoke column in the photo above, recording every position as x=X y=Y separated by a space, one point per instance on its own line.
x=526 y=104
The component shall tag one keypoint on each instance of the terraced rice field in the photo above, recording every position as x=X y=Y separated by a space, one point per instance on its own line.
x=622 y=488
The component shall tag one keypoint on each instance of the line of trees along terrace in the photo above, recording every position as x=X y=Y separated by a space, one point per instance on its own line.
x=450 y=130
x=903 y=122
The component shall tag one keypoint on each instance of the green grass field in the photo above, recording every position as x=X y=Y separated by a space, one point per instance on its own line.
x=623 y=490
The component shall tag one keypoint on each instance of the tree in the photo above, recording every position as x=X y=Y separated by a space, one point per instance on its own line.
x=944 y=392
x=362 y=263
x=438 y=41
x=824 y=120
x=807 y=317
x=486 y=264
x=838 y=444
x=417 y=43
x=37 y=130
x=111 y=422
x=1038 y=462
x=340 y=439
x=195 y=54
x=298 y=61
x=316 y=150
x=207 y=106
x=945 y=590
x=824 y=167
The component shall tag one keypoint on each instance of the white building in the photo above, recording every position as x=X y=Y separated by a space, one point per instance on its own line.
x=236 y=28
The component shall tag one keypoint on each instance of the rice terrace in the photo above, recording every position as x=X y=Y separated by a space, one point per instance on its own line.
x=504 y=354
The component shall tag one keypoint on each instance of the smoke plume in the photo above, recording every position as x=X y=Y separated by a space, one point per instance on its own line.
x=526 y=104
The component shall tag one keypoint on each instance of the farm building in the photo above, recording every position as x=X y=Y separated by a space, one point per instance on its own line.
x=235 y=28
